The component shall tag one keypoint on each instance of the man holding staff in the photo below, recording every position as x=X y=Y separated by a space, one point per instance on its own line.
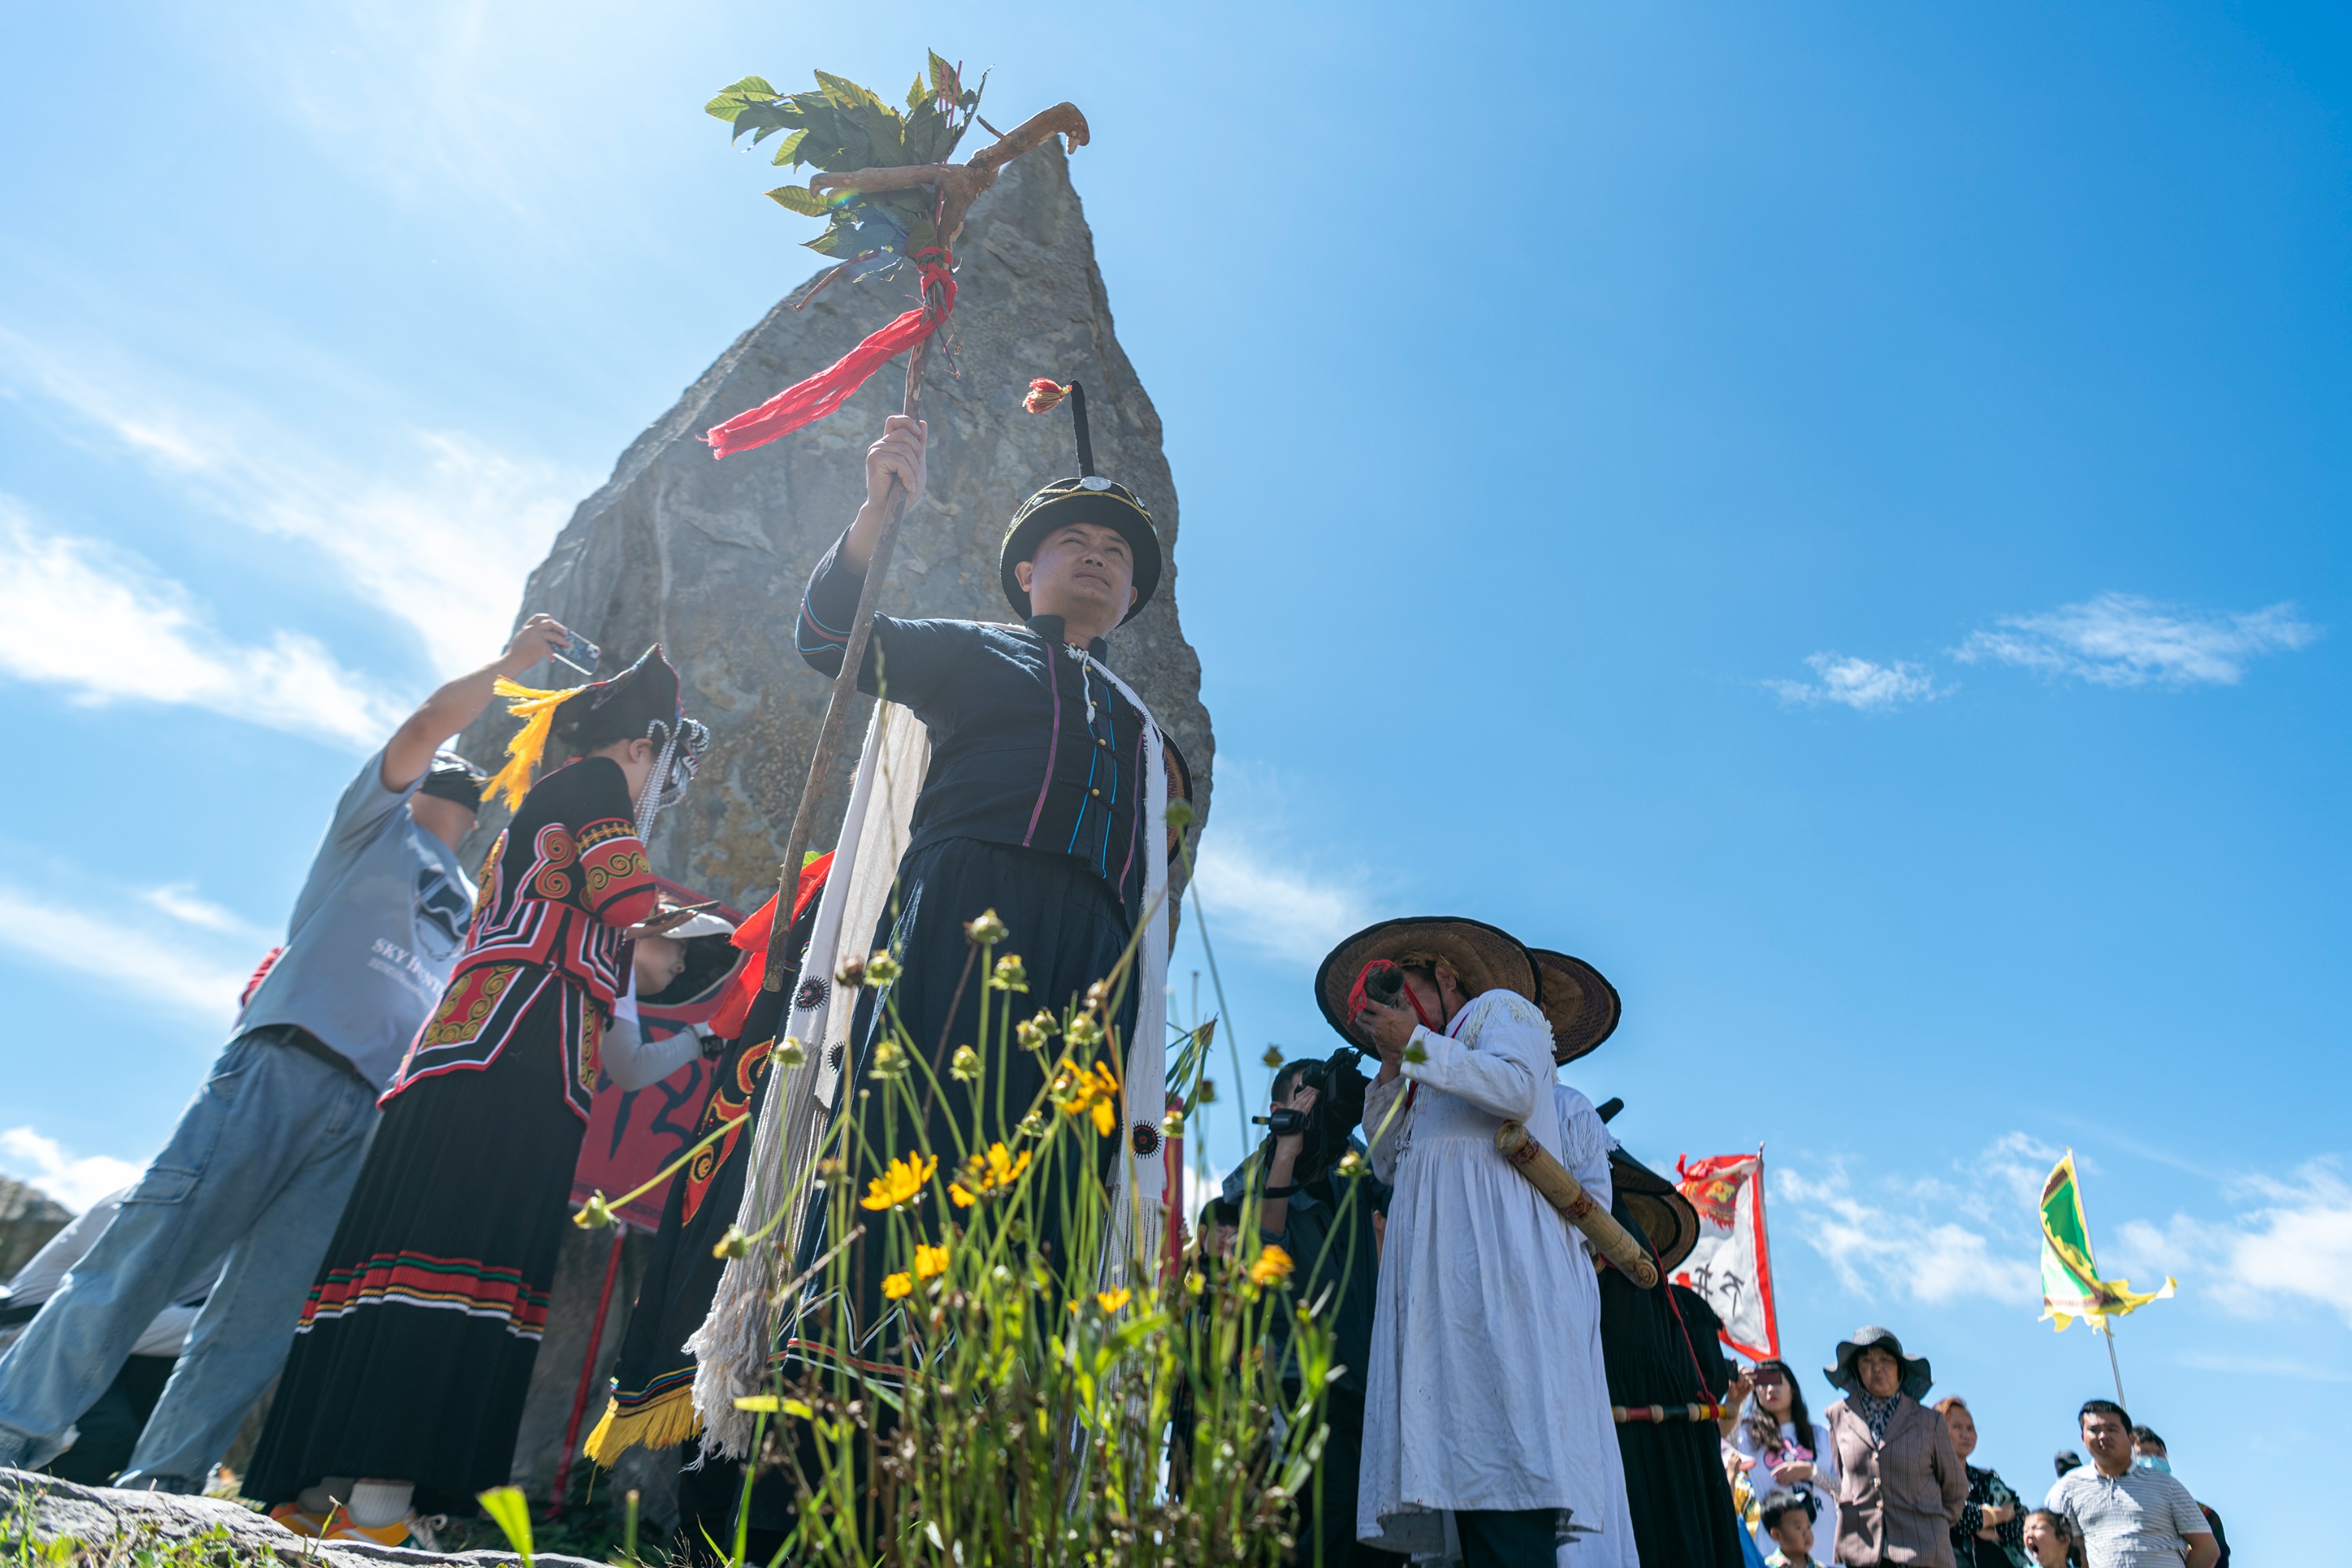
x=1034 y=805
x=1472 y=1407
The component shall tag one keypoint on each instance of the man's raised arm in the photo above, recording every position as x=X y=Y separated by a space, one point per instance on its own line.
x=460 y=701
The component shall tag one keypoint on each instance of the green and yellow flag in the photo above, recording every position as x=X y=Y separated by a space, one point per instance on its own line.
x=2071 y=1286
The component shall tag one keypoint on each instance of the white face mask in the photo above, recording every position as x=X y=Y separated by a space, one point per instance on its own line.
x=2156 y=1462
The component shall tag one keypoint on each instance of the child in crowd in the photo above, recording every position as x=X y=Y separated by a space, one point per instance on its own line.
x=2049 y=1539
x=1789 y=1521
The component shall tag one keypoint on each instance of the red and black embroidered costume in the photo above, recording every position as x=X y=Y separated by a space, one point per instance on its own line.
x=415 y=1346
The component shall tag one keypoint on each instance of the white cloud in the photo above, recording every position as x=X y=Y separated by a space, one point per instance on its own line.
x=75 y=1180
x=2122 y=639
x=92 y=619
x=445 y=547
x=1927 y=1241
x=2291 y=1244
x=165 y=970
x=1249 y=894
x=1858 y=684
x=181 y=901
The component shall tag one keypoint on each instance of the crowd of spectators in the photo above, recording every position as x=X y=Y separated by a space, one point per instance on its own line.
x=1883 y=1478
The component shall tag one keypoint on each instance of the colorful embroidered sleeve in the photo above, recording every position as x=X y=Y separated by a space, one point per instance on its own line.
x=588 y=855
x=616 y=885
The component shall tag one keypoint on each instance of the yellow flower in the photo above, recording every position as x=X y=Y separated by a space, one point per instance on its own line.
x=1272 y=1266
x=1112 y=1300
x=980 y=1176
x=1092 y=1091
x=897 y=1286
x=929 y=1261
x=901 y=1183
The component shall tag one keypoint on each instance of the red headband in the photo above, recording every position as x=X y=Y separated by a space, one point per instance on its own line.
x=1359 y=999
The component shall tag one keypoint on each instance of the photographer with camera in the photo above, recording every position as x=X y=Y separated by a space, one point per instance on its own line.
x=1325 y=1220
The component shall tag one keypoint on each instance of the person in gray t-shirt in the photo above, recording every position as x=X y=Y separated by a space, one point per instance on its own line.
x=2125 y=1515
x=264 y=1157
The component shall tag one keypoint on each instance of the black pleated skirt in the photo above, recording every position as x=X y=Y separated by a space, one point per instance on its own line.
x=419 y=1336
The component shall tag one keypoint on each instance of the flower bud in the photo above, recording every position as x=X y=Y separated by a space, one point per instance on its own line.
x=986 y=930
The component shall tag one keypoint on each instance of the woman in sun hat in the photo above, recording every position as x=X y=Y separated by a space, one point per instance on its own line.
x=1472 y=1408
x=1901 y=1485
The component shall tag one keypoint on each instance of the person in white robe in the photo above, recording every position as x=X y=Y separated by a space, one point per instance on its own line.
x=1484 y=1401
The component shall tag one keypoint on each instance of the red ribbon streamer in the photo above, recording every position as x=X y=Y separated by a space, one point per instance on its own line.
x=751 y=936
x=806 y=401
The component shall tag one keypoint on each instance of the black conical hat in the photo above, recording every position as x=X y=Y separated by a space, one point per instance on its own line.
x=1088 y=498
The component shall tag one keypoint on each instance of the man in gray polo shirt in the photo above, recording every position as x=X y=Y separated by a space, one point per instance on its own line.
x=2125 y=1515
x=264 y=1155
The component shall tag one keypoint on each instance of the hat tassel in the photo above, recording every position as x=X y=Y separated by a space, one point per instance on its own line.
x=1045 y=396
x=537 y=709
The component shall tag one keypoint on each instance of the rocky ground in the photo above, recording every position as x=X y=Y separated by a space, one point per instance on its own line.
x=48 y=1522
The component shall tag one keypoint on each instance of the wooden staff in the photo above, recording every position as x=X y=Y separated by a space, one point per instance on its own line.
x=959 y=186
x=1566 y=1195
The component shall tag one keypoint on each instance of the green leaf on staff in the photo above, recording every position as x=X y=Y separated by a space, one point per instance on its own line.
x=788 y=150
x=800 y=199
x=942 y=73
x=918 y=93
x=847 y=93
x=511 y=1511
x=732 y=100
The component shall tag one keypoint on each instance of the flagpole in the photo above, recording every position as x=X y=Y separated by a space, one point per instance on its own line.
x=2108 y=1328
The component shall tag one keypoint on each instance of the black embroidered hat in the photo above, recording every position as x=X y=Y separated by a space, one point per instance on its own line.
x=642 y=701
x=1089 y=498
x=621 y=707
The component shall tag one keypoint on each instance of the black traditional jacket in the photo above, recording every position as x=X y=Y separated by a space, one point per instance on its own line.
x=1030 y=746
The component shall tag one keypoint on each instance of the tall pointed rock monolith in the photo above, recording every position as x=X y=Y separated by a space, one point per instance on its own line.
x=708 y=558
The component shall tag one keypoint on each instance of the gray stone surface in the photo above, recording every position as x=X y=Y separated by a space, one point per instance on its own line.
x=104 y=1516
x=708 y=557
x=28 y=1218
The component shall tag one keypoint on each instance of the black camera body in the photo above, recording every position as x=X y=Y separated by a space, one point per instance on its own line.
x=1339 y=1087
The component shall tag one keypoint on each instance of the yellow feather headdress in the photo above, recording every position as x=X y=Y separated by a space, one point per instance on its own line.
x=537 y=709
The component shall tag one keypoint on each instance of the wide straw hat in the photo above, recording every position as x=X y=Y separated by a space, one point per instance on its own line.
x=1484 y=957
x=1669 y=1219
x=1916 y=1377
x=1579 y=1000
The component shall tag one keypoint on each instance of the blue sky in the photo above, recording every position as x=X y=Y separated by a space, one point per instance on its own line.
x=1833 y=513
